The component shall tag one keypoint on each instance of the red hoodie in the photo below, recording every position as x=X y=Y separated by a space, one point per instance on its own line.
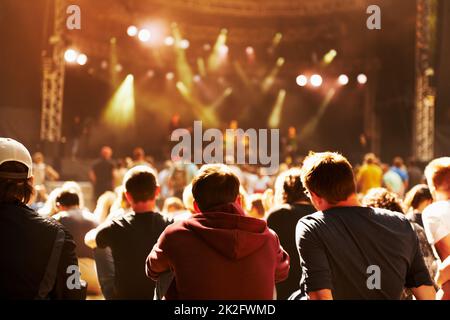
x=220 y=255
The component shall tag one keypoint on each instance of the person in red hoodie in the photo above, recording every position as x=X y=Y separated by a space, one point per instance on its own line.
x=219 y=253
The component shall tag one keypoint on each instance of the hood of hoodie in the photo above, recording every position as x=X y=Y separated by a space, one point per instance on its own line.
x=227 y=230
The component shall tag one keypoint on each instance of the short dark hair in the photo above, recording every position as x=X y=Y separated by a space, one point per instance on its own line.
x=416 y=196
x=382 y=198
x=329 y=175
x=292 y=186
x=141 y=184
x=68 y=199
x=215 y=184
x=15 y=190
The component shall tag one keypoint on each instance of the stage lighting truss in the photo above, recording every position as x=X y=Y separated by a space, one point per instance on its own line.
x=53 y=78
x=424 y=113
x=317 y=80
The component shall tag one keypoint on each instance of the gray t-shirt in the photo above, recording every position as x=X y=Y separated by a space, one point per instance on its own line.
x=342 y=249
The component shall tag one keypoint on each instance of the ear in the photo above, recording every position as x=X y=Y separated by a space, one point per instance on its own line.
x=31 y=179
x=196 y=208
x=157 y=191
x=317 y=201
x=129 y=197
x=238 y=200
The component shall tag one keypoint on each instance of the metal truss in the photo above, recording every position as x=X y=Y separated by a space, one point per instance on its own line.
x=53 y=78
x=424 y=111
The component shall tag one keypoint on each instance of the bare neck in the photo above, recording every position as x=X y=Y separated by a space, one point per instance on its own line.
x=441 y=196
x=351 y=201
x=142 y=207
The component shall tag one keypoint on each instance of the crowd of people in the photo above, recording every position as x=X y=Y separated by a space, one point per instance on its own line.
x=318 y=229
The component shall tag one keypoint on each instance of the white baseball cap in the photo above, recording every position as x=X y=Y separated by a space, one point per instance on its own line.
x=12 y=150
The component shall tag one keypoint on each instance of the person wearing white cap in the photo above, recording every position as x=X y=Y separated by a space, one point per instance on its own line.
x=39 y=260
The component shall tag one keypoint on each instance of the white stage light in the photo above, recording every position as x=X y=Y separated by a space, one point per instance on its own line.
x=302 y=80
x=132 y=31
x=71 y=55
x=343 y=79
x=316 y=80
x=362 y=78
x=82 y=59
x=144 y=35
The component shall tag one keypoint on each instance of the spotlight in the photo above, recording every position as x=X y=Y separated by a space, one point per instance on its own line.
x=197 y=78
x=118 y=68
x=206 y=47
x=316 y=80
x=228 y=91
x=170 y=76
x=169 y=41
x=71 y=55
x=329 y=56
x=144 y=35
x=343 y=79
x=104 y=64
x=120 y=111
x=132 y=31
x=250 y=51
x=223 y=50
x=150 y=73
x=184 y=44
x=302 y=80
x=280 y=62
x=362 y=78
x=82 y=59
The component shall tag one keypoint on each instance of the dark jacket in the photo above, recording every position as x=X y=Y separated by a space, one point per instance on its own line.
x=283 y=220
x=131 y=238
x=221 y=254
x=28 y=269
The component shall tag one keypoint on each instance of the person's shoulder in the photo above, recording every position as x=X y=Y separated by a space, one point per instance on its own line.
x=279 y=210
x=393 y=220
x=61 y=216
x=37 y=219
x=388 y=214
x=162 y=219
x=175 y=231
x=88 y=215
x=50 y=224
x=437 y=209
x=311 y=221
x=117 y=222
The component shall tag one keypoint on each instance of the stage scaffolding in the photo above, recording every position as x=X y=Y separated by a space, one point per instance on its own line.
x=424 y=109
x=53 y=77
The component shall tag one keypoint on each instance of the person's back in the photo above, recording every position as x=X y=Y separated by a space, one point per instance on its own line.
x=283 y=221
x=436 y=219
x=133 y=236
x=219 y=253
x=222 y=255
x=101 y=173
x=78 y=221
x=38 y=253
x=356 y=238
x=352 y=252
x=27 y=242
